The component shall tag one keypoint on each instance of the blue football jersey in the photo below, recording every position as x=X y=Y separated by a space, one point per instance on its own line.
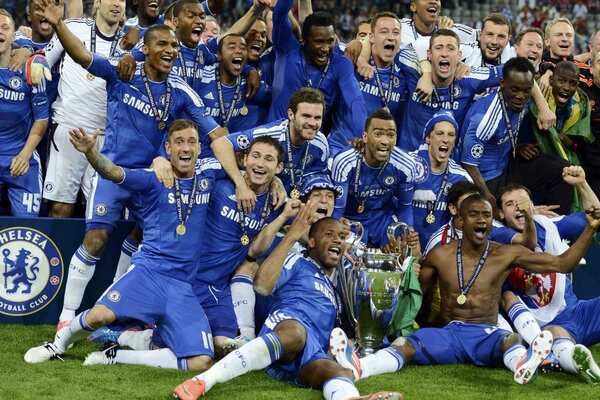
x=51 y=86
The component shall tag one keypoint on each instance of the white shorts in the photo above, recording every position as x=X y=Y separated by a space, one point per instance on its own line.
x=68 y=169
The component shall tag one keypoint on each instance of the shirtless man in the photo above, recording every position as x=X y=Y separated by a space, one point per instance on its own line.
x=470 y=291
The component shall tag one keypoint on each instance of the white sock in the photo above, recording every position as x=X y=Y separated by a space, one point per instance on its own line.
x=77 y=330
x=339 y=388
x=562 y=348
x=244 y=299
x=161 y=358
x=129 y=247
x=255 y=355
x=136 y=340
x=524 y=321
x=81 y=270
x=513 y=355
x=384 y=361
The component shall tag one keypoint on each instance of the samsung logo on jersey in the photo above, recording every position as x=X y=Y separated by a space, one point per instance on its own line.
x=373 y=192
x=233 y=214
x=216 y=112
x=189 y=71
x=374 y=90
x=11 y=95
x=138 y=104
x=446 y=105
x=323 y=289
x=201 y=198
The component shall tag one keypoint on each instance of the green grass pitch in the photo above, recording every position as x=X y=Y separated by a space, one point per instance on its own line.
x=70 y=380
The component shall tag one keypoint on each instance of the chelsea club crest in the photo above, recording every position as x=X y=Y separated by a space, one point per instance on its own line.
x=32 y=271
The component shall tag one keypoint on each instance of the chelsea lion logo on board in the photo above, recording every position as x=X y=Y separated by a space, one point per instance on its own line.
x=32 y=271
x=15 y=83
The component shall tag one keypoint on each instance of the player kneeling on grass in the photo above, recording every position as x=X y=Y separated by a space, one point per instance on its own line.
x=294 y=340
x=156 y=288
x=471 y=271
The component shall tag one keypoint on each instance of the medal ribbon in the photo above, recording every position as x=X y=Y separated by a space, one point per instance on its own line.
x=386 y=96
x=512 y=134
x=161 y=119
x=359 y=161
x=199 y=58
x=226 y=115
x=179 y=202
x=438 y=100
x=264 y=213
x=113 y=43
x=431 y=205
x=291 y=166
x=459 y=266
x=307 y=81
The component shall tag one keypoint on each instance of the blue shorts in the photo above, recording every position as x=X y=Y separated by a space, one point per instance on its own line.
x=375 y=224
x=106 y=203
x=582 y=321
x=217 y=304
x=25 y=191
x=313 y=349
x=170 y=303
x=459 y=343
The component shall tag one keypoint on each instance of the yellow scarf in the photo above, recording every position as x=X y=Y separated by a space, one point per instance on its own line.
x=575 y=112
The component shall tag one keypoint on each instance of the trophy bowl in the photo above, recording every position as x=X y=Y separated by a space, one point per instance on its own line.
x=369 y=291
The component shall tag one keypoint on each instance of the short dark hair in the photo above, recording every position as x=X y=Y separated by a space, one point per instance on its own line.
x=155 y=28
x=179 y=125
x=519 y=36
x=178 y=8
x=498 y=19
x=518 y=64
x=361 y=22
x=459 y=189
x=566 y=66
x=222 y=40
x=169 y=11
x=475 y=197
x=306 y=95
x=271 y=142
x=314 y=228
x=381 y=113
x=443 y=32
x=511 y=187
x=383 y=14
x=318 y=18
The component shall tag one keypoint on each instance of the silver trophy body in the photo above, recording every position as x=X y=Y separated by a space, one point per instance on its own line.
x=369 y=289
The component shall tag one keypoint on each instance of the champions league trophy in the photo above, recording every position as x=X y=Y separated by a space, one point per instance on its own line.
x=370 y=288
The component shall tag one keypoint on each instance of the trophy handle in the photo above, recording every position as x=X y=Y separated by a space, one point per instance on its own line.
x=360 y=230
x=405 y=251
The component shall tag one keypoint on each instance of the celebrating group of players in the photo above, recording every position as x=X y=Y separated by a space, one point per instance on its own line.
x=215 y=148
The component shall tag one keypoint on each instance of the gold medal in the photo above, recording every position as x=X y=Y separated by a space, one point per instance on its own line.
x=461 y=299
x=180 y=229
x=90 y=77
x=295 y=193
x=162 y=125
x=430 y=218
x=361 y=208
x=245 y=239
x=244 y=110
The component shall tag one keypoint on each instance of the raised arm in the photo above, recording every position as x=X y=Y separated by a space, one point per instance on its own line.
x=243 y=25
x=74 y=9
x=575 y=176
x=264 y=240
x=72 y=45
x=86 y=144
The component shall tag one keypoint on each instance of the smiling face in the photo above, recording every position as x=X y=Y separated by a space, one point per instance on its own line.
x=325 y=200
x=516 y=89
x=256 y=39
x=189 y=24
x=513 y=218
x=183 y=147
x=531 y=47
x=161 y=51
x=444 y=55
x=385 y=40
x=475 y=217
x=211 y=30
x=327 y=245
x=306 y=122
x=149 y=9
x=379 y=140
x=233 y=55
x=111 y=11
x=493 y=39
x=319 y=45
x=261 y=165
x=561 y=40
x=7 y=35
x=426 y=11
x=564 y=85
x=441 y=141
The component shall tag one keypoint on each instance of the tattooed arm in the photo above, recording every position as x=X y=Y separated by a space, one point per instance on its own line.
x=86 y=144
